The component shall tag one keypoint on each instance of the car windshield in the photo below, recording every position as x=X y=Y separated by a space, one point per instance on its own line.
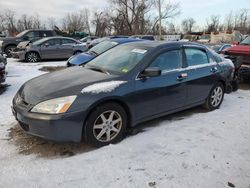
x=119 y=60
x=102 y=47
x=38 y=42
x=21 y=34
x=246 y=41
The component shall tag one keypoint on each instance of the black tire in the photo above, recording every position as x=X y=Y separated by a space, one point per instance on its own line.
x=91 y=133
x=8 y=50
x=210 y=104
x=32 y=57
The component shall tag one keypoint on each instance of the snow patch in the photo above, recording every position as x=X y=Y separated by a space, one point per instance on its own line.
x=104 y=87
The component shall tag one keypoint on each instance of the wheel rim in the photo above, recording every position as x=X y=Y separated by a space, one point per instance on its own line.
x=216 y=96
x=32 y=57
x=9 y=51
x=107 y=126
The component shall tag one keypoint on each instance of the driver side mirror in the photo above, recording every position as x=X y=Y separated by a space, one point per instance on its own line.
x=150 y=72
x=46 y=44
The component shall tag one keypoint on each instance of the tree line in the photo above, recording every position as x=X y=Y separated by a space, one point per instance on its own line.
x=128 y=17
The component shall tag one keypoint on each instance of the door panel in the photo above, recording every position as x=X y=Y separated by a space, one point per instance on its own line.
x=160 y=94
x=50 y=49
x=202 y=74
x=167 y=92
x=66 y=48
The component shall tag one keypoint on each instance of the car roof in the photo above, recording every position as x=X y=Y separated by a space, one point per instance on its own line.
x=125 y=40
x=58 y=37
x=163 y=44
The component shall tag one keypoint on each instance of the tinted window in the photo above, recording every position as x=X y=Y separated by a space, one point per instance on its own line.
x=52 y=42
x=196 y=56
x=168 y=61
x=68 y=41
x=46 y=33
x=32 y=34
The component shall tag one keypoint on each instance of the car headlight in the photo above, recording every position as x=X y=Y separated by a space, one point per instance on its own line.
x=54 y=106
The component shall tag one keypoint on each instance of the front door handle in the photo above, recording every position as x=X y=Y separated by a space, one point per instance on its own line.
x=182 y=76
x=214 y=69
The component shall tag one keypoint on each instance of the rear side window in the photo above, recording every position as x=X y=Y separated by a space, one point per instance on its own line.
x=46 y=34
x=196 y=57
x=168 y=60
x=53 y=42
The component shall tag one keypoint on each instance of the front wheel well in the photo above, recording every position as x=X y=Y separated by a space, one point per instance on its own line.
x=117 y=101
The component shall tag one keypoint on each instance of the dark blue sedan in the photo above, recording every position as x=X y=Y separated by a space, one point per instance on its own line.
x=124 y=86
x=100 y=48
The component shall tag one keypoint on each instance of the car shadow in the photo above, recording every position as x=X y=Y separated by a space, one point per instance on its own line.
x=3 y=88
x=171 y=117
x=28 y=144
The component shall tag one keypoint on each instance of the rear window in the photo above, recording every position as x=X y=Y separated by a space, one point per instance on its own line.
x=196 y=56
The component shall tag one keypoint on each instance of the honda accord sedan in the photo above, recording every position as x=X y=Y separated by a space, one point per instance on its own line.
x=118 y=89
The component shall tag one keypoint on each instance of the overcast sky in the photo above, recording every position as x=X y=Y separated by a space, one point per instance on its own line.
x=198 y=9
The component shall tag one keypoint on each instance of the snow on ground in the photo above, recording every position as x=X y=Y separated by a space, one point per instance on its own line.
x=194 y=148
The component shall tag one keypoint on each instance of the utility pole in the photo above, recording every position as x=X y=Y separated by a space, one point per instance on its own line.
x=160 y=17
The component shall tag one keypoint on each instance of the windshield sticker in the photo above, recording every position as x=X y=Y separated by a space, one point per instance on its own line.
x=141 y=51
x=102 y=87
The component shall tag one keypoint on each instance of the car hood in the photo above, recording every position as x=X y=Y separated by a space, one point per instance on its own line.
x=239 y=49
x=10 y=39
x=67 y=82
x=81 y=59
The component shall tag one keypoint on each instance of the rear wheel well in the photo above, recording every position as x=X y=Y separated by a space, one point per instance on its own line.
x=119 y=102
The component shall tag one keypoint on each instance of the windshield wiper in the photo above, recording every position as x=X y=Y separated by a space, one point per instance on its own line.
x=98 y=69
x=93 y=52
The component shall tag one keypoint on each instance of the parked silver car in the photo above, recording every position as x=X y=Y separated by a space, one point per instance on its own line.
x=48 y=48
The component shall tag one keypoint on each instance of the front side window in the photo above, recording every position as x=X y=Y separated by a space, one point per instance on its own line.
x=167 y=61
x=52 y=42
x=68 y=41
x=196 y=56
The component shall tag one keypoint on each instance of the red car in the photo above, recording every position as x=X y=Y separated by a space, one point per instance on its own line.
x=240 y=55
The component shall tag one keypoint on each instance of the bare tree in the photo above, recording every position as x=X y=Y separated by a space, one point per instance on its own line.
x=188 y=24
x=241 y=20
x=130 y=15
x=213 y=24
x=73 y=22
x=166 y=11
x=102 y=23
x=10 y=21
x=229 y=26
x=51 y=23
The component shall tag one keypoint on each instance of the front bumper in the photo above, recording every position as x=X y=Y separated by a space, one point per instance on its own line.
x=18 y=54
x=59 y=128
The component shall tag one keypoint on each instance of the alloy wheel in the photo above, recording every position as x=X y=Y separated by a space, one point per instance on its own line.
x=107 y=126
x=216 y=96
x=32 y=57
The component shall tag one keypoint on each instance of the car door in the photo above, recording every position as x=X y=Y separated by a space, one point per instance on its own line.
x=67 y=48
x=50 y=49
x=202 y=73
x=164 y=93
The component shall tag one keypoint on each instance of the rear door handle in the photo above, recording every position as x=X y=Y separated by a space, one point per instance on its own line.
x=214 y=70
x=182 y=76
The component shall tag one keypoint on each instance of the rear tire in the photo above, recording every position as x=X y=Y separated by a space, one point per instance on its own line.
x=32 y=57
x=215 y=97
x=105 y=125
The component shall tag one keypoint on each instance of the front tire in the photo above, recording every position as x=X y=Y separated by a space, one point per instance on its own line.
x=32 y=57
x=105 y=125
x=215 y=97
x=9 y=49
